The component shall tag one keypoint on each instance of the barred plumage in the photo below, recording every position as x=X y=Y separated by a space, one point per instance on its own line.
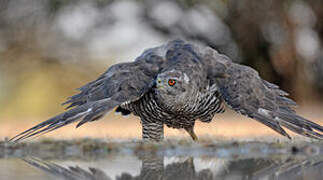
x=153 y=116
x=176 y=84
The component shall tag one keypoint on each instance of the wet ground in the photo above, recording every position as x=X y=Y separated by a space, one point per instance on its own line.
x=230 y=147
x=172 y=159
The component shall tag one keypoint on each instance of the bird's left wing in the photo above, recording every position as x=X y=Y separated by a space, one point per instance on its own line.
x=245 y=92
x=121 y=83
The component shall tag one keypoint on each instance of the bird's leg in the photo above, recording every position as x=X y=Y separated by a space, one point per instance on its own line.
x=191 y=132
x=152 y=131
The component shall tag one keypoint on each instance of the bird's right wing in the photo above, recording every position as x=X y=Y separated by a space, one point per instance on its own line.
x=121 y=83
x=245 y=92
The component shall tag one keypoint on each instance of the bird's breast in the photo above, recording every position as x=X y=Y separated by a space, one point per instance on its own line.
x=150 y=110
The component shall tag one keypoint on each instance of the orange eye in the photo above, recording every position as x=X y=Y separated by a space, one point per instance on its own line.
x=171 y=82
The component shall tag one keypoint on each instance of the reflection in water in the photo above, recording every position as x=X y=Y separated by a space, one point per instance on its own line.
x=155 y=167
x=70 y=173
x=97 y=160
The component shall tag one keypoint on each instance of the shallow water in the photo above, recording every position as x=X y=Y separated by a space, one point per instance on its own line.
x=96 y=159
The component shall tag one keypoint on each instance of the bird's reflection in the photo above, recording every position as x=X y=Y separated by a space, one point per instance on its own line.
x=69 y=173
x=153 y=167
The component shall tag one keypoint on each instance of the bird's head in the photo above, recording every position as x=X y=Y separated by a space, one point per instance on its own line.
x=174 y=89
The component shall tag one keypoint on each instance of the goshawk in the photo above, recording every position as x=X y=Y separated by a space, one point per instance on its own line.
x=176 y=84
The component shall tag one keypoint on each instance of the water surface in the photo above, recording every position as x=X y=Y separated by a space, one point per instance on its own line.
x=100 y=160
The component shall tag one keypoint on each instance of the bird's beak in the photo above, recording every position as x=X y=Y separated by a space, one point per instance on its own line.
x=158 y=83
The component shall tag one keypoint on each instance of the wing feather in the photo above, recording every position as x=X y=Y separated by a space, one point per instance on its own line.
x=245 y=92
x=125 y=82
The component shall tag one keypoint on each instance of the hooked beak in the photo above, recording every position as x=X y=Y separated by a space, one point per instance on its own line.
x=158 y=83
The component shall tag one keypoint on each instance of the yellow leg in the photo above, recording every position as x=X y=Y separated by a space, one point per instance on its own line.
x=190 y=131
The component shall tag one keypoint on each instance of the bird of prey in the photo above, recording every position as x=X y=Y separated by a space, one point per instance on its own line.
x=176 y=84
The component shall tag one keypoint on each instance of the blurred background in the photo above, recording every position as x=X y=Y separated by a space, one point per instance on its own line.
x=48 y=48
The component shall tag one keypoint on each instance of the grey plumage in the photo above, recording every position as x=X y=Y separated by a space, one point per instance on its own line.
x=176 y=84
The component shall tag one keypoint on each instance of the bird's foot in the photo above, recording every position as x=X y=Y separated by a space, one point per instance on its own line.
x=191 y=132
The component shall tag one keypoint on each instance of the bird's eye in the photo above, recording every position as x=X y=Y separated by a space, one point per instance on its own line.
x=171 y=82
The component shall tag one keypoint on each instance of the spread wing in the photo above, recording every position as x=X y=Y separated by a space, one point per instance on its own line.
x=245 y=92
x=121 y=83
